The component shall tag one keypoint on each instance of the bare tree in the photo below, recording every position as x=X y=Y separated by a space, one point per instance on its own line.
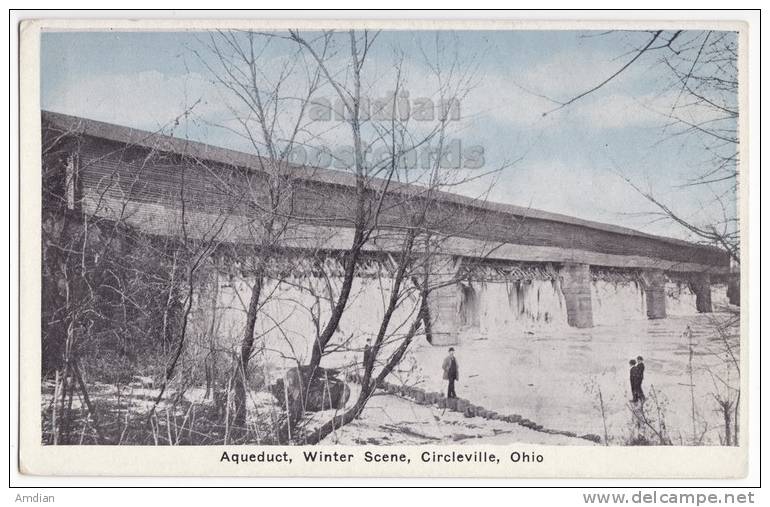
x=397 y=204
x=726 y=375
x=380 y=210
x=703 y=92
x=702 y=66
x=120 y=296
x=270 y=112
x=391 y=206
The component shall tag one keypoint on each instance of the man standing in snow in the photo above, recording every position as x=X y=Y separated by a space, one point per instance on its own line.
x=633 y=375
x=367 y=355
x=640 y=375
x=451 y=372
x=367 y=351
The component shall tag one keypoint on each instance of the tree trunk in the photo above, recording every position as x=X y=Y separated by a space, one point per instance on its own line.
x=247 y=346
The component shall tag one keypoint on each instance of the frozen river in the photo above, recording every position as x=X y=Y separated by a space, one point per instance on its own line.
x=553 y=375
x=518 y=355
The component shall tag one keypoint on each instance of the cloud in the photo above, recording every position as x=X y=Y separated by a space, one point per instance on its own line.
x=659 y=109
x=568 y=73
x=519 y=97
x=151 y=99
x=146 y=99
x=620 y=110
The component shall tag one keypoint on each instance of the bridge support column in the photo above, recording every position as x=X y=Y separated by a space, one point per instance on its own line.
x=576 y=287
x=701 y=286
x=444 y=302
x=655 y=293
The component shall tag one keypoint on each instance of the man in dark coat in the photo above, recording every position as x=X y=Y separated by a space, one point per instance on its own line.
x=633 y=374
x=367 y=356
x=451 y=372
x=640 y=374
x=367 y=351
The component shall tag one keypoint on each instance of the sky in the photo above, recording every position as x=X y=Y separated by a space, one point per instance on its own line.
x=568 y=161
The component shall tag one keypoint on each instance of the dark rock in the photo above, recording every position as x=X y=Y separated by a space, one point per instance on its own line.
x=325 y=391
x=592 y=437
x=639 y=440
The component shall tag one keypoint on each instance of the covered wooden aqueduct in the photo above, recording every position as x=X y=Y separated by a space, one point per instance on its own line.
x=114 y=170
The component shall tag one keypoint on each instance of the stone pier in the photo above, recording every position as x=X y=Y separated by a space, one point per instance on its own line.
x=655 y=293
x=701 y=286
x=576 y=287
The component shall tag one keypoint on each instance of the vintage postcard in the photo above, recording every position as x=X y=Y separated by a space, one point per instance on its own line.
x=383 y=248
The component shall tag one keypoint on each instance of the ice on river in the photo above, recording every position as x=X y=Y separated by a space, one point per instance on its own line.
x=552 y=374
x=518 y=355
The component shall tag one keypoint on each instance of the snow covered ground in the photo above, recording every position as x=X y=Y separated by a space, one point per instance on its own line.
x=391 y=420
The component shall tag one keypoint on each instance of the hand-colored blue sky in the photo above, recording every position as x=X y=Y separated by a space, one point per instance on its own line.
x=565 y=162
